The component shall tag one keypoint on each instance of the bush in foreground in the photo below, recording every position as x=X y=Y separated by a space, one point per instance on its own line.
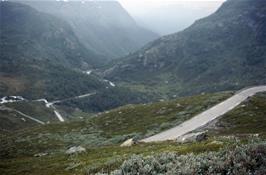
x=248 y=159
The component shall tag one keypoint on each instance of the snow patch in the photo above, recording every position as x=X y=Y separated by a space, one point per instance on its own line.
x=87 y=72
x=110 y=83
x=11 y=99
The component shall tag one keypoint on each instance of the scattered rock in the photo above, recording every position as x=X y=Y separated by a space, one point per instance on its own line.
x=40 y=154
x=128 y=143
x=256 y=135
x=75 y=150
x=215 y=142
x=72 y=166
x=192 y=137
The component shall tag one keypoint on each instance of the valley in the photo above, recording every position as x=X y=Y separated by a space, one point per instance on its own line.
x=86 y=89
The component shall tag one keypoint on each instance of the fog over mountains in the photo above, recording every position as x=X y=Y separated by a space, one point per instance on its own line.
x=222 y=51
x=166 y=17
x=84 y=85
x=104 y=27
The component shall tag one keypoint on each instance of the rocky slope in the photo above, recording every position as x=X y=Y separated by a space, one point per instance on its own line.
x=223 y=51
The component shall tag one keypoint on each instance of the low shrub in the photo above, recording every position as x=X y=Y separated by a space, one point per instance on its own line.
x=248 y=159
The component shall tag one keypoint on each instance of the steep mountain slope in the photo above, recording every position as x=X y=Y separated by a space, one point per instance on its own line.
x=225 y=50
x=39 y=54
x=28 y=33
x=42 y=58
x=104 y=27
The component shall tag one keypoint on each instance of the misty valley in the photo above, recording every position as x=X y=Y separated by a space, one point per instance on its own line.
x=132 y=87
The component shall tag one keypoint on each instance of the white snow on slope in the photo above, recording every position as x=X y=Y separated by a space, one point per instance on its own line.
x=11 y=99
x=110 y=83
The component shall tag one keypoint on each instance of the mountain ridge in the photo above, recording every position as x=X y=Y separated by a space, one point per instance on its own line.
x=104 y=27
x=215 y=53
x=40 y=54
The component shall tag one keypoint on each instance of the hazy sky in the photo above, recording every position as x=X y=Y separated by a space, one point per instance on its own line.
x=135 y=6
x=168 y=16
x=165 y=16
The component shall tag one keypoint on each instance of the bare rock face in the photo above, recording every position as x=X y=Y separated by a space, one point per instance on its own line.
x=192 y=137
x=128 y=143
x=75 y=150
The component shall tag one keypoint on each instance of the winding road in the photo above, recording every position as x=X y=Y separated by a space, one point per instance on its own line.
x=207 y=116
x=56 y=112
x=22 y=114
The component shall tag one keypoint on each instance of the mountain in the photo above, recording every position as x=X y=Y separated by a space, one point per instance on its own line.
x=225 y=50
x=28 y=33
x=41 y=57
x=103 y=26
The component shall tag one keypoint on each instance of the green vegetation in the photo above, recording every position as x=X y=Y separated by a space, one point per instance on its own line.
x=108 y=98
x=35 y=109
x=54 y=139
x=106 y=33
x=107 y=158
x=244 y=159
x=101 y=136
x=148 y=119
x=249 y=117
x=219 y=52
x=11 y=120
x=41 y=57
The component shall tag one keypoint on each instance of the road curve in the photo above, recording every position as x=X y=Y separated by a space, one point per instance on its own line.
x=206 y=116
x=52 y=104
x=22 y=114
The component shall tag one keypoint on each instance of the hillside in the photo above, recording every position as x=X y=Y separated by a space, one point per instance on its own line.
x=225 y=50
x=42 y=58
x=249 y=117
x=102 y=134
x=102 y=26
x=38 y=55
x=27 y=34
x=12 y=120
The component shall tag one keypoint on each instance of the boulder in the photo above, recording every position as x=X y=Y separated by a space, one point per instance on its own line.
x=75 y=150
x=128 y=143
x=40 y=154
x=192 y=137
x=215 y=142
